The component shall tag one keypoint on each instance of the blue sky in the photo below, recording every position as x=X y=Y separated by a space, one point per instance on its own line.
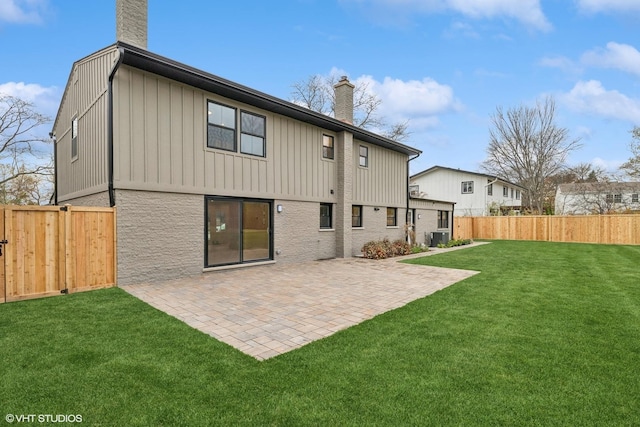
x=444 y=65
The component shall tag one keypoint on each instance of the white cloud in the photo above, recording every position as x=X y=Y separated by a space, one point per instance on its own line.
x=22 y=11
x=528 y=12
x=608 y=165
x=594 y=6
x=419 y=101
x=561 y=62
x=591 y=97
x=45 y=99
x=616 y=55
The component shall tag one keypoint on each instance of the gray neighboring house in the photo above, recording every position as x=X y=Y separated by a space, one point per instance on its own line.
x=590 y=198
x=474 y=193
x=208 y=174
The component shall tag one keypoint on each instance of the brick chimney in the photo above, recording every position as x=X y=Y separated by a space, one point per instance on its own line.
x=344 y=100
x=131 y=22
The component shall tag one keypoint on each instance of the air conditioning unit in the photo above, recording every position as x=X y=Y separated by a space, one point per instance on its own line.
x=438 y=237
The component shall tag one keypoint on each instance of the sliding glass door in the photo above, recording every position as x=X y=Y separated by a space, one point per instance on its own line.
x=237 y=231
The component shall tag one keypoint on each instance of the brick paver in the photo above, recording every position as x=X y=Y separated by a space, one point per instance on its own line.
x=268 y=310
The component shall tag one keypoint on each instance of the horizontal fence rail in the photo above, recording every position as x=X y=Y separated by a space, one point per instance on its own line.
x=49 y=250
x=604 y=229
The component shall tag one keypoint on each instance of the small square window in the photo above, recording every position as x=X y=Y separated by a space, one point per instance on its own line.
x=356 y=216
x=74 y=138
x=617 y=198
x=609 y=198
x=327 y=147
x=364 y=156
x=392 y=217
x=325 y=215
x=467 y=187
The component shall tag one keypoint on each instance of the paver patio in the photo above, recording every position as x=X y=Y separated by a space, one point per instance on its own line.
x=268 y=310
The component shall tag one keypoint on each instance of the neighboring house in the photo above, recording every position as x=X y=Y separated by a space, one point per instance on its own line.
x=474 y=193
x=207 y=174
x=597 y=198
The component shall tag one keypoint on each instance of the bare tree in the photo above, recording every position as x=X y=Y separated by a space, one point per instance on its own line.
x=527 y=147
x=24 y=157
x=632 y=166
x=316 y=93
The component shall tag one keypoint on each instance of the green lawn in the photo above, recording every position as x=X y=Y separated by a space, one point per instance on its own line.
x=547 y=334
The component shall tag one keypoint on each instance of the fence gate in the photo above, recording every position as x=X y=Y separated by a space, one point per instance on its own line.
x=33 y=259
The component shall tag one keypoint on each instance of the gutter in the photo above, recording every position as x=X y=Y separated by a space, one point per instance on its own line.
x=409 y=196
x=112 y=74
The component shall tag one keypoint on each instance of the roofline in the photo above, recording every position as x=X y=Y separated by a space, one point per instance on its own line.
x=432 y=168
x=448 y=202
x=156 y=64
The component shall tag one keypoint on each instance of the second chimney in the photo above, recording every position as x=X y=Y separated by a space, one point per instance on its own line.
x=344 y=100
x=131 y=22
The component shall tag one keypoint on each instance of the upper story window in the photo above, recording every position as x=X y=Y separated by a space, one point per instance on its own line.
x=356 y=216
x=634 y=198
x=517 y=194
x=364 y=156
x=617 y=198
x=252 y=134
x=490 y=190
x=327 y=147
x=221 y=129
x=467 y=187
x=512 y=193
x=392 y=217
x=505 y=191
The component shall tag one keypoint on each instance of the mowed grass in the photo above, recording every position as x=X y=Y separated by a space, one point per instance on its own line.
x=547 y=334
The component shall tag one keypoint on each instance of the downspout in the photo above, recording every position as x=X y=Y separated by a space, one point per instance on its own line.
x=112 y=74
x=453 y=209
x=406 y=219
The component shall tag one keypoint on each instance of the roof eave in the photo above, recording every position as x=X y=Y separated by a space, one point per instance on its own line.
x=147 y=61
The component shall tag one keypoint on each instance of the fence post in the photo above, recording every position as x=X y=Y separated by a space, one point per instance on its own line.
x=69 y=282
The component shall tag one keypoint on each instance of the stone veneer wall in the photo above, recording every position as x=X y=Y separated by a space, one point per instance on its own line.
x=297 y=234
x=375 y=228
x=97 y=199
x=160 y=236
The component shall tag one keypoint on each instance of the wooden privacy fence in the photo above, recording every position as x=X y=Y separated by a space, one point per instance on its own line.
x=605 y=229
x=49 y=250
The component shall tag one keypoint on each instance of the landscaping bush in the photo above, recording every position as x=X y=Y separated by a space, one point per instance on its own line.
x=455 y=242
x=381 y=249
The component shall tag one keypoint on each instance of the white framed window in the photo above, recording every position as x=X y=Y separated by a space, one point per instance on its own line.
x=74 y=138
x=364 y=156
x=505 y=191
x=467 y=187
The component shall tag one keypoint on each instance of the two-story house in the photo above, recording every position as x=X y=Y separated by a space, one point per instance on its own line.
x=474 y=193
x=589 y=198
x=208 y=174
